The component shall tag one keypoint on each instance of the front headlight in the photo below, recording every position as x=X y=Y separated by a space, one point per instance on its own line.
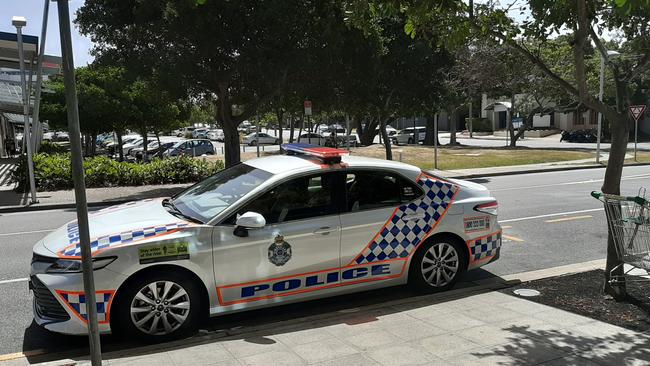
x=74 y=265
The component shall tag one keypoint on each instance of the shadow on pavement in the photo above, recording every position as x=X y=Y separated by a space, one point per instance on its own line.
x=255 y=325
x=526 y=345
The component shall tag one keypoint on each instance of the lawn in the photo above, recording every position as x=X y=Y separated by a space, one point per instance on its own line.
x=463 y=158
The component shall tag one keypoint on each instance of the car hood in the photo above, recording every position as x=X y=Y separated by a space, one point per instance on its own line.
x=115 y=226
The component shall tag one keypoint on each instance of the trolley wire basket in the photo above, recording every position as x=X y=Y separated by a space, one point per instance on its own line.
x=628 y=219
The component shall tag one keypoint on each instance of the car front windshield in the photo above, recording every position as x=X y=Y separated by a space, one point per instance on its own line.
x=207 y=199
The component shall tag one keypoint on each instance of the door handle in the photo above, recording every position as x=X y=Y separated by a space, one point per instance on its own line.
x=325 y=230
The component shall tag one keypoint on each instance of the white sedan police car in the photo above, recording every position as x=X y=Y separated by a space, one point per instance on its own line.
x=314 y=222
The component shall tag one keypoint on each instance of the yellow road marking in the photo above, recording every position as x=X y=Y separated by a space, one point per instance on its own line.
x=569 y=219
x=513 y=238
x=13 y=356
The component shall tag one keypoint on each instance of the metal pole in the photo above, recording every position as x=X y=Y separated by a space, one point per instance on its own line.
x=257 y=135
x=636 y=135
x=27 y=128
x=470 y=120
x=39 y=66
x=347 y=131
x=32 y=125
x=79 y=181
x=600 y=115
x=435 y=142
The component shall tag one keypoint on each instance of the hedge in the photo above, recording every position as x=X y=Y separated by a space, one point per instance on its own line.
x=53 y=172
x=479 y=125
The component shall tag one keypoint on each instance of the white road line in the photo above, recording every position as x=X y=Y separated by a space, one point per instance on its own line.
x=14 y=280
x=551 y=215
x=631 y=177
x=27 y=232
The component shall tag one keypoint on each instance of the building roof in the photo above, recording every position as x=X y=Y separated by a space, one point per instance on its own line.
x=491 y=106
x=11 y=98
x=9 y=50
x=18 y=119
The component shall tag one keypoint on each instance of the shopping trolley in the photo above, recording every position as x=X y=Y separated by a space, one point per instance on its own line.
x=628 y=219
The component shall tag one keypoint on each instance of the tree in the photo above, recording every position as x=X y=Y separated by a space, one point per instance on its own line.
x=240 y=51
x=585 y=21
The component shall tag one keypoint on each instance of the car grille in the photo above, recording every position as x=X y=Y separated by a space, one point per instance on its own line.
x=45 y=303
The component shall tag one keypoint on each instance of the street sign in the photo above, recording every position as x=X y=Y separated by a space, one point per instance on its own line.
x=637 y=111
x=307 y=107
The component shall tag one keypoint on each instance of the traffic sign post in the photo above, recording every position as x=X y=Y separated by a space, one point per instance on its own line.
x=307 y=106
x=636 y=111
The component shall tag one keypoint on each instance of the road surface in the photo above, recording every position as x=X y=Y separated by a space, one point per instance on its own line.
x=549 y=219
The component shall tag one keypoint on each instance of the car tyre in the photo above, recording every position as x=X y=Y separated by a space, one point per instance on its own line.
x=437 y=265
x=178 y=307
x=410 y=141
x=253 y=143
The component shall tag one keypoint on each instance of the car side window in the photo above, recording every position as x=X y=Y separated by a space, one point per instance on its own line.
x=373 y=190
x=297 y=199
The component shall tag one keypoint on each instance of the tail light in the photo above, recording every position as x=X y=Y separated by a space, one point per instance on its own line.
x=490 y=208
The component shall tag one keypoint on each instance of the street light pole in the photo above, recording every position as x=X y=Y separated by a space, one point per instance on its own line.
x=600 y=115
x=39 y=68
x=435 y=142
x=19 y=23
x=79 y=181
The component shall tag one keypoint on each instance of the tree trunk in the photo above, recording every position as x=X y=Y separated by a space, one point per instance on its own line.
x=280 y=114
x=511 y=127
x=367 y=137
x=292 y=127
x=230 y=133
x=93 y=145
x=384 y=134
x=159 y=143
x=358 y=124
x=429 y=137
x=452 y=126
x=119 y=146
x=302 y=124
x=612 y=185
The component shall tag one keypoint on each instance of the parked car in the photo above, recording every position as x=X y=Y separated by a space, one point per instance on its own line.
x=581 y=136
x=200 y=133
x=152 y=145
x=334 y=130
x=61 y=136
x=266 y=232
x=156 y=152
x=216 y=135
x=312 y=138
x=409 y=135
x=194 y=147
x=262 y=138
x=184 y=131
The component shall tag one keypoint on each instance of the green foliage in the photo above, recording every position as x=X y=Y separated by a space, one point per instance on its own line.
x=53 y=172
x=479 y=124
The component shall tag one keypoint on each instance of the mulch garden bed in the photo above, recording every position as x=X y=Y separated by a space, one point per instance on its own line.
x=581 y=294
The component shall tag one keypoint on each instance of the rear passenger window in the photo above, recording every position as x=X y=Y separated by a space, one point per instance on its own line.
x=373 y=190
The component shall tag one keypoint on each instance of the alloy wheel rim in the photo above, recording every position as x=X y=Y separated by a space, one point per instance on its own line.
x=160 y=308
x=440 y=264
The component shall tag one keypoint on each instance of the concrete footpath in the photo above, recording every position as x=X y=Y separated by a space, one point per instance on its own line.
x=469 y=326
x=10 y=201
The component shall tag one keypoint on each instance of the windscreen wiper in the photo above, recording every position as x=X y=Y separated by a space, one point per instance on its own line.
x=167 y=203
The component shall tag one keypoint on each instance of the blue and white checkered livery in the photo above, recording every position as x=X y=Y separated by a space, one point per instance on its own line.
x=108 y=241
x=411 y=223
x=77 y=302
x=485 y=246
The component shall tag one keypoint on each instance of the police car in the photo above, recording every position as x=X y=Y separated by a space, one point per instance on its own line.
x=311 y=223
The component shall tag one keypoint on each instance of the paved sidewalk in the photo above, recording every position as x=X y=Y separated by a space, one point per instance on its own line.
x=489 y=328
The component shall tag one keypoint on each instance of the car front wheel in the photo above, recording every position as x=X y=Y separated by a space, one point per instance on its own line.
x=437 y=265
x=158 y=307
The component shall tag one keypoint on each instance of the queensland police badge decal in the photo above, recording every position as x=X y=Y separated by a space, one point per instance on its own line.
x=279 y=251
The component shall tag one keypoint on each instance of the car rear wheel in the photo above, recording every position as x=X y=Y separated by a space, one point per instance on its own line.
x=253 y=143
x=410 y=141
x=437 y=265
x=158 y=307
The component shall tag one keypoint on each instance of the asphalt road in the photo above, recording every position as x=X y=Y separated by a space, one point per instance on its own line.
x=549 y=220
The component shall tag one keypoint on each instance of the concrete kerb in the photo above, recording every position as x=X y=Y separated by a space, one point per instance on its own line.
x=480 y=286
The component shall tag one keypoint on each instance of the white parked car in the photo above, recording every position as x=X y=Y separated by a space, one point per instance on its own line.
x=261 y=138
x=409 y=135
x=268 y=231
x=215 y=135
x=312 y=138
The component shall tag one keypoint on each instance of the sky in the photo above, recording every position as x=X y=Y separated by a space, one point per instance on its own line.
x=33 y=11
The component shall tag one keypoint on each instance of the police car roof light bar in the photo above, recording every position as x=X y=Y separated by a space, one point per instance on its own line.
x=328 y=155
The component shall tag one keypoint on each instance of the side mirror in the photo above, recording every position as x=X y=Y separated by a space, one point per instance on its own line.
x=251 y=220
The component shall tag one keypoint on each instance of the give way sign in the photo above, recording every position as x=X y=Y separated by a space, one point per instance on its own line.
x=637 y=111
